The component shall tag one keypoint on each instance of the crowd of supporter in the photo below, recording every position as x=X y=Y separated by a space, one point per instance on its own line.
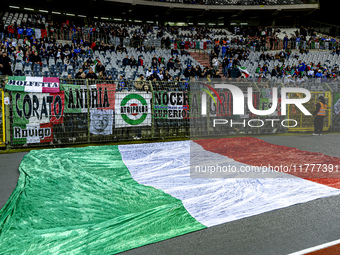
x=260 y=38
x=254 y=37
x=32 y=50
x=264 y=31
x=300 y=71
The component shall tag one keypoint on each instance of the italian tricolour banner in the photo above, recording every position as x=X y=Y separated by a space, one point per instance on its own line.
x=98 y=100
x=33 y=84
x=244 y=71
x=109 y=199
x=78 y=98
x=34 y=115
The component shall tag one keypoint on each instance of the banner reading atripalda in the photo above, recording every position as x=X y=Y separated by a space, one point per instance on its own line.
x=133 y=109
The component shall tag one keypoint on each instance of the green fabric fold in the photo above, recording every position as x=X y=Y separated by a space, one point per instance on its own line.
x=84 y=201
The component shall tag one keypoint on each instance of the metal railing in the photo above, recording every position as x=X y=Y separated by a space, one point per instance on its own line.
x=2 y=120
x=2 y=112
x=69 y=35
x=325 y=28
x=100 y=111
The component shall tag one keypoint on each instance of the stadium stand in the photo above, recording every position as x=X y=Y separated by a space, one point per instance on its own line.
x=32 y=50
x=234 y=2
x=146 y=77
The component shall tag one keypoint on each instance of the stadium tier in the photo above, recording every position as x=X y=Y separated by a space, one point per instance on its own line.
x=191 y=127
x=234 y=2
x=130 y=51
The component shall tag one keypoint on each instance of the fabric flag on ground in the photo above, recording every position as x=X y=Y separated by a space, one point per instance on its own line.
x=33 y=84
x=244 y=71
x=312 y=166
x=84 y=201
x=214 y=201
x=108 y=199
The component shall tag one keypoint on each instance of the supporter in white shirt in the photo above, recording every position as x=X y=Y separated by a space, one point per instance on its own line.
x=310 y=73
x=288 y=79
x=215 y=63
x=148 y=72
x=300 y=80
x=14 y=44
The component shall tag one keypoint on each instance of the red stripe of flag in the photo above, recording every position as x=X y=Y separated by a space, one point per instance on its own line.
x=51 y=79
x=256 y=152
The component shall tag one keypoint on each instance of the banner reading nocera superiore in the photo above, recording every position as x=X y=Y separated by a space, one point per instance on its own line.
x=170 y=105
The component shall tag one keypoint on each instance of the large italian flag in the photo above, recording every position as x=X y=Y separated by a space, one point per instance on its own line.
x=108 y=199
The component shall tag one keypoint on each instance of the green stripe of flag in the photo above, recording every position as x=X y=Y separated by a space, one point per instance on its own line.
x=14 y=87
x=84 y=201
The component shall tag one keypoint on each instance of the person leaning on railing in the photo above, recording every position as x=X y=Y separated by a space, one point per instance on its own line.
x=141 y=84
x=122 y=85
x=91 y=75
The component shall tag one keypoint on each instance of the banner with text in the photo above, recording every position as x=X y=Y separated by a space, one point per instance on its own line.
x=34 y=115
x=98 y=100
x=133 y=109
x=33 y=84
x=170 y=105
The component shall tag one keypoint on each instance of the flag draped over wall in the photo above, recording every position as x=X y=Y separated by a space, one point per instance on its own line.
x=33 y=84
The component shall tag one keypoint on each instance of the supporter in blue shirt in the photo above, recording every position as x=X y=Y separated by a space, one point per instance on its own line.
x=318 y=74
x=77 y=50
x=224 y=50
x=121 y=83
x=298 y=39
x=29 y=31
x=285 y=42
x=20 y=32
x=301 y=67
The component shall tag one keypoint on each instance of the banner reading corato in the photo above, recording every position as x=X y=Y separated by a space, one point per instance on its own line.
x=33 y=84
x=35 y=114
